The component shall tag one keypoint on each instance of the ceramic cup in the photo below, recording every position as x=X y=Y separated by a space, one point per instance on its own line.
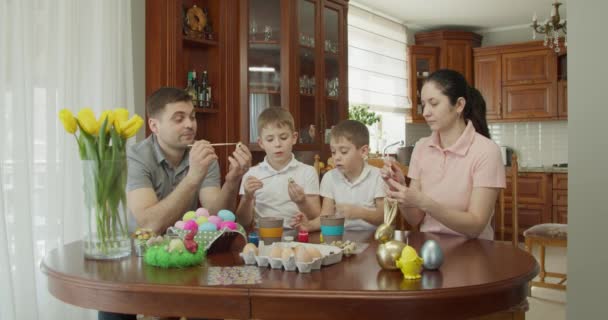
x=332 y=228
x=271 y=229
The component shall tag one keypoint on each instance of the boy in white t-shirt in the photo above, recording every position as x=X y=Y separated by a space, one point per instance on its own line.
x=353 y=189
x=280 y=186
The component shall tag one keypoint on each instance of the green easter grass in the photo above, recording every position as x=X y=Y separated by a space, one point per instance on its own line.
x=158 y=256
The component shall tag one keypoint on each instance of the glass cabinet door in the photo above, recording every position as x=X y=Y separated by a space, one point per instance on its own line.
x=263 y=59
x=307 y=109
x=423 y=61
x=332 y=65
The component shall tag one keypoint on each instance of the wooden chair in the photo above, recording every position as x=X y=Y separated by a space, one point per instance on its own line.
x=514 y=203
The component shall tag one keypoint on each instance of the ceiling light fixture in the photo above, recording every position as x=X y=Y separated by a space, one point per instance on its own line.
x=550 y=28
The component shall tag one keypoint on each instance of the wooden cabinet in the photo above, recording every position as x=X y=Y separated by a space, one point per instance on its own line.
x=542 y=198
x=443 y=49
x=170 y=54
x=533 y=101
x=455 y=49
x=534 y=200
x=293 y=54
x=562 y=99
x=488 y=81
x=423 y=61
x=528 y=67
x=529 y=86
x=560 y=197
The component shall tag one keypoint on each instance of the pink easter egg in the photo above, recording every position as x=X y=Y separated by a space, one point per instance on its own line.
x=215 y=220
x=228 y=224
x=202 y=212
x=190 y=225
x=180 y=224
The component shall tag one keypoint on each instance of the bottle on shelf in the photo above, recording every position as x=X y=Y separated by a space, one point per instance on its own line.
x=191 y=88
x=205 y=91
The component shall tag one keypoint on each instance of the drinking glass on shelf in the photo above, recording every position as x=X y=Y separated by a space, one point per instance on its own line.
x=267 y=33
x=253 y=29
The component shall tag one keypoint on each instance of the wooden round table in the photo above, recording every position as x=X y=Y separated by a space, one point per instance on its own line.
x=478 y=278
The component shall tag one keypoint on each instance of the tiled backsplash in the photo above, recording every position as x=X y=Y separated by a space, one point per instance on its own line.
x=536 y=143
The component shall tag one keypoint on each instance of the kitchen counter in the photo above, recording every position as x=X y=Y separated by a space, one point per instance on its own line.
x=547 y=169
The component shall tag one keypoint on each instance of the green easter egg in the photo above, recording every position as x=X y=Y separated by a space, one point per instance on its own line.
x=189 y=216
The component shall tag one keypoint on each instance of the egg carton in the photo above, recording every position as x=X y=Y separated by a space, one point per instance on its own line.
x=329 y=255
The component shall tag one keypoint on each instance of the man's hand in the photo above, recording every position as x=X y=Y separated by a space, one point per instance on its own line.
x=296 y=192
x=240 y=162
x=201 y=156
x=252 y=184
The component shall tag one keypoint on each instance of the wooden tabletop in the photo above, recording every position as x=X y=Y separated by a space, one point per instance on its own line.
x=478 y=277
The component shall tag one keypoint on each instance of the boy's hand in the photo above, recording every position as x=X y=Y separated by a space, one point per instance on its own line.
x=346 y=210
x=296 y=193
x=240 y=162
x=300 y=222
x=252 y=184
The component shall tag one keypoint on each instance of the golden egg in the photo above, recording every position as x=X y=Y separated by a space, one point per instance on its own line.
x=303 y=256
x=276 y=252
x=250 y=247
x=314 y=253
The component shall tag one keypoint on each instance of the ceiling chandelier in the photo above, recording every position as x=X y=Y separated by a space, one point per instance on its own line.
x=550 y=28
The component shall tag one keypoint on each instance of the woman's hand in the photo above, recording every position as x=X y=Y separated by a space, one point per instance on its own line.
x=405 y=196
x=391 y=171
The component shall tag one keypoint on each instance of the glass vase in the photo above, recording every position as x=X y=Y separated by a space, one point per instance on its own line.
x=106 y=234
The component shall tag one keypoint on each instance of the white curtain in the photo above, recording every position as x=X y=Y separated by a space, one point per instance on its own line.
x=377 y=72
x=53 y=55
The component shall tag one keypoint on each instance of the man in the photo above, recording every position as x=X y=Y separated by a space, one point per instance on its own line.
x=167 y=177
x=165 y=174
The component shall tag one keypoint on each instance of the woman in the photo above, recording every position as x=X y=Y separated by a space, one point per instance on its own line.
x=457 y=172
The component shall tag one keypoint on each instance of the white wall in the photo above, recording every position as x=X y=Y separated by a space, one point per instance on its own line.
x=138 y=18
x=588 y=156
x=506 y=36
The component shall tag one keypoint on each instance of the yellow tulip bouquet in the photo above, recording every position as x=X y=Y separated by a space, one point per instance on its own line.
x=102 y=146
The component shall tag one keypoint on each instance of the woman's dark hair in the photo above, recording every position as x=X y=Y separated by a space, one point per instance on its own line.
x=453 y=85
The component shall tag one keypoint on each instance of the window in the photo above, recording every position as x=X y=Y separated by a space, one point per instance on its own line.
x=377 y=73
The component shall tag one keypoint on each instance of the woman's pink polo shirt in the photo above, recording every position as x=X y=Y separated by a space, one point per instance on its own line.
x=449 y=175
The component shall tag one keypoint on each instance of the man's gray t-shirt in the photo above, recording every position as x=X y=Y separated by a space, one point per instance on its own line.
x=148 y=168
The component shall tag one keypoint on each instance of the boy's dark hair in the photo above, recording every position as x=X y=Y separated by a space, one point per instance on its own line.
x=277 y=116
x=353 y=131
x=163 y=96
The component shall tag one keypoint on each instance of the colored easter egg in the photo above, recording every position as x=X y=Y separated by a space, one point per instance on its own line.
x=180 y=224
x=200 y=220
x=215 y=220
x=431 y=254
x=226 y=215
x=189 y=216
x=200 y=212
x=231 y=225
x=207 y=226
x=190 y=225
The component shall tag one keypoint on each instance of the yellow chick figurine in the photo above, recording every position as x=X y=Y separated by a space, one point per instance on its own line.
x=410 y=263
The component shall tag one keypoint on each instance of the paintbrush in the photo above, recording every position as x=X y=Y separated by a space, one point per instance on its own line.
x=219 y=144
